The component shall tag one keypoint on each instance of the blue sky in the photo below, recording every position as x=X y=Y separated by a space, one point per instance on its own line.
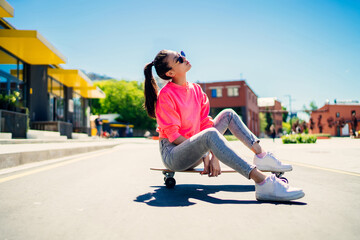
x=303 y=48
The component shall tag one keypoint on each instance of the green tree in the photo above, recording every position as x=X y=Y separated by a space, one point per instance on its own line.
x=312 y=107
x=285 y=114
x=269 y=120
x=125 y=98
x=262 y=122
x=286 y=127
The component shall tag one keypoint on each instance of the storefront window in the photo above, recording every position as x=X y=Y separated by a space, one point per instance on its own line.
x=51 y=107
x=60 y=113
x=78 y=116
x=11 y=76
x=56 y=100
x=56 y=88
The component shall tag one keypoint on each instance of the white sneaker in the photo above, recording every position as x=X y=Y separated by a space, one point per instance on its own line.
x=271 y=164
x=274 y=189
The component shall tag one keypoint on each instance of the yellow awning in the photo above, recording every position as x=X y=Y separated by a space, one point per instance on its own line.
x=70 y=77
x=6 y=10
x=78 y=81
x=120 y=125
x=30 y=46
x=91 y=92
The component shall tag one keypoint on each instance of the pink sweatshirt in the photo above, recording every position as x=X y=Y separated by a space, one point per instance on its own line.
x=182 y=110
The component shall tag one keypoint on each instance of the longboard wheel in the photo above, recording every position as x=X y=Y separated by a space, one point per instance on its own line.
x=278 y=174
x=170 y=182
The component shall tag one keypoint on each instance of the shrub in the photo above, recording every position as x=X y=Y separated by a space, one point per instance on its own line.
x=298 y=138
x=9 y=102
x=322 y=135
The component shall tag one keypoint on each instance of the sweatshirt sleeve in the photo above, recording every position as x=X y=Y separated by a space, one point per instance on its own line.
x=167 y=117
x=205 y=120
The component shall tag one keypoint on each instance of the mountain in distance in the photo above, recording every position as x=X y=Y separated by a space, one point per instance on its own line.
x=97 y=77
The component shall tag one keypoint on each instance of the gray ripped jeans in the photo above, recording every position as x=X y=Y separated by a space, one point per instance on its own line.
x=189 y=153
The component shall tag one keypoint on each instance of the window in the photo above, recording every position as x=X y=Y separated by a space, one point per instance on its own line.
x=213 y=93
x=337 y=114
x=56 y=100
x=216 y=92
x=11 y=76
x=78 y=106
x=233 y=91
x=57 y=89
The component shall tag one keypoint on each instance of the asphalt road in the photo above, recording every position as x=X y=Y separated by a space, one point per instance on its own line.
x=112 y=194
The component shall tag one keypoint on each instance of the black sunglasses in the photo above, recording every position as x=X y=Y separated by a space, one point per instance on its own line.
x=181 y=57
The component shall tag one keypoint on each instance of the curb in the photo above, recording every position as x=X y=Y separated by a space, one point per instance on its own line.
x=8 y=160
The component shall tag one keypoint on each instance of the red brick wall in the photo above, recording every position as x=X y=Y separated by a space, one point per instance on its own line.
x=246 y=99
x=277 y=117
x=328 y=111
x=226 y=101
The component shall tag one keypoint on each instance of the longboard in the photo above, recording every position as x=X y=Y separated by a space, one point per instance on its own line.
x=170 y=182
x=194 y=170
x=169 y=174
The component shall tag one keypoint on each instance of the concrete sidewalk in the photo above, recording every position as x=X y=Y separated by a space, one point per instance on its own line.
x=21 y=151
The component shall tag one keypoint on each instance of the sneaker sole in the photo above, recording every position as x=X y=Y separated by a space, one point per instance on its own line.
x=280 y=199
x=269 y=169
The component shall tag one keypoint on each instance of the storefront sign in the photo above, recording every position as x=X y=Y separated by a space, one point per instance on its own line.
x=71 y=105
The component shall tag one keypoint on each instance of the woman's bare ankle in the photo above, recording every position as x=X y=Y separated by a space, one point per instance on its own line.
x=257 y=175
x=256 y=148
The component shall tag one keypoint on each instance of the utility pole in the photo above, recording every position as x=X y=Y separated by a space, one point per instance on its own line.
x=289 y=96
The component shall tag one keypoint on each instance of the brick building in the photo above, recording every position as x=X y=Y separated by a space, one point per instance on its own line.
x=236 y=95
x=327 y=118
x=273 y=106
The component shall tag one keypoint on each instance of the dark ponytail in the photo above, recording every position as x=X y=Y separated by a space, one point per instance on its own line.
x=150 y=86
x=150 y=90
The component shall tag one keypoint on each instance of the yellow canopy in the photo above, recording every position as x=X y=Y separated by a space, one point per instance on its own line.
x=120 y=125
x=78 y=81
x=94 y=92
x=30 y=46
x=6 y=10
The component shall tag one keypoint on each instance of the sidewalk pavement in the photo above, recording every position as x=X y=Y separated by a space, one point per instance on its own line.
x=334 y=154
x=16 y=152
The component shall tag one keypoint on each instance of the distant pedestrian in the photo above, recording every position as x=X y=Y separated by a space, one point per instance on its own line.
x=127 y=130
x=354 y=122
x=273 y=132
x=188 y=134
x=98 y=124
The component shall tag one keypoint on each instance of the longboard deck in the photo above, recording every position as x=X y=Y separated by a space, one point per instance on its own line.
x=195 y=170
x=170 y=181
x=199 y=170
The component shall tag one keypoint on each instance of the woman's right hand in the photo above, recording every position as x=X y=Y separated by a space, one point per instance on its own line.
x=206 y=161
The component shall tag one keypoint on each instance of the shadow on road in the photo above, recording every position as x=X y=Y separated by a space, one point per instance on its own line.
x=181 y=194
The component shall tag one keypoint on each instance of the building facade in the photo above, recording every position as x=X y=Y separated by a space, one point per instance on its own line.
x=272 y=106
x=334 y=119
x=236 y=95
x=53 y=98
